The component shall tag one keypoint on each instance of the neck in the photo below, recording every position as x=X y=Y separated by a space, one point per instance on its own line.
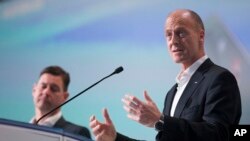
x=185 y=65
x=40 y=113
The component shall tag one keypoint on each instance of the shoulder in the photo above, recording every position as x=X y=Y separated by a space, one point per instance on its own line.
x=221 y=72
x=84 y=131
x=213 y=74
x=121 y=137
x=208 y=68
x=72 y=127
x=219 y=78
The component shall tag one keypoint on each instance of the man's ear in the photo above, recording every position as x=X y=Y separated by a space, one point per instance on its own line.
x=34 y=88
x=202 y=36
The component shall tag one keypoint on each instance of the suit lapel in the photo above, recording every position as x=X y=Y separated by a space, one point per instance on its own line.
x=168 y=100
x=191 y=86
x=60 y=123
x=193 y=83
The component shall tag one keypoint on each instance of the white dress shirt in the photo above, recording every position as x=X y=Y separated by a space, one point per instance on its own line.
x=49 y=121
x=182 y=80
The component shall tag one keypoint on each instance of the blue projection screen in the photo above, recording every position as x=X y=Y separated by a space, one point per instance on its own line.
x=92 y=38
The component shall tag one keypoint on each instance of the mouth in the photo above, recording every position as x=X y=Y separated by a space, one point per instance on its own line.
x=177 y=50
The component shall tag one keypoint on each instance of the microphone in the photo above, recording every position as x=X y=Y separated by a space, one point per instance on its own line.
x=117 y=70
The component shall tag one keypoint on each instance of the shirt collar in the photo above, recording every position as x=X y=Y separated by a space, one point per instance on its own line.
x=185 y=75
x=49 y=121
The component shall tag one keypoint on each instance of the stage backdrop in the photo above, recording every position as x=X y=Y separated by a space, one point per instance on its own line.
x=92 y=38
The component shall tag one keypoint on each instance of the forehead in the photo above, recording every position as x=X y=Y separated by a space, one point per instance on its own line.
x=50 y=79
x=179 y=19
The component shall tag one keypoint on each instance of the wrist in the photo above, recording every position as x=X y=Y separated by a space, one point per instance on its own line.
x=159 y=124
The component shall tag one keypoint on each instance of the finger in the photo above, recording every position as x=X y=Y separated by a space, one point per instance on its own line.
x=128 y=103
x=147 y=97
x=96 y=130
x=106 y=116
x=93 y=123
x=98 y=138
x=92 y=118
x=133 y=117
x=125 y=101
x=133 y=99
x=130 y=110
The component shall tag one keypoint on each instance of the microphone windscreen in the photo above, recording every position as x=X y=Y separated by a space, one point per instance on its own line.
x=118 y=70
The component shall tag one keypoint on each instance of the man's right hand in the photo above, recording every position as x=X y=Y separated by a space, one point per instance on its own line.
x=103 y=131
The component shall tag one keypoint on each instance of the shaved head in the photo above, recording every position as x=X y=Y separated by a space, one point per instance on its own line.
x=186 y=13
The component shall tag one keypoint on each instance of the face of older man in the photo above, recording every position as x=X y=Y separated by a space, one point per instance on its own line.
x=184 y=38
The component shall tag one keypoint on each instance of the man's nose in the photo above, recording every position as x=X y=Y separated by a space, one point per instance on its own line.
x=47 y=91
x=175 y=39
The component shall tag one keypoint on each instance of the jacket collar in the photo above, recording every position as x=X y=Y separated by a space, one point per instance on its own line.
x=194 y=82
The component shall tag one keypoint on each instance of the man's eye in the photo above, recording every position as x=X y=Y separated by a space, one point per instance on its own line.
x=168 y=34
x=54 y=89
x=43 y=86
x=182 y=34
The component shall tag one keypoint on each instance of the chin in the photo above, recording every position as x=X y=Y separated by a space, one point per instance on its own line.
x=177 y=61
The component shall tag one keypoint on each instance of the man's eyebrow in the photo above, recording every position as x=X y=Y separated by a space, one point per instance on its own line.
x=54 y=84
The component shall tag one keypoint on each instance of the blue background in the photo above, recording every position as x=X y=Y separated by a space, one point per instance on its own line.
x=92 y=38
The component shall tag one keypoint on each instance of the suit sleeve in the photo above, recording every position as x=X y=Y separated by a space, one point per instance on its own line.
x=222 y=108
x=121 y=137
x=85 y=132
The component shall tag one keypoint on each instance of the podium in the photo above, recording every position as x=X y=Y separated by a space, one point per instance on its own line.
x=11 y=130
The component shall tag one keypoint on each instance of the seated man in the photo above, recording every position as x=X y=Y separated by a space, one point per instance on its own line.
x=49 y=92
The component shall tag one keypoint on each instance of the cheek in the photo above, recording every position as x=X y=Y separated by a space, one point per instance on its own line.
x=35 y=93
x=192 y=42
x=59 y=98
x=168 y=47
x=35 y=97
x=169 y=52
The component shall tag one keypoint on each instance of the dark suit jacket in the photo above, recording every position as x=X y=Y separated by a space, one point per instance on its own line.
x=72 y=128
x=209 y=104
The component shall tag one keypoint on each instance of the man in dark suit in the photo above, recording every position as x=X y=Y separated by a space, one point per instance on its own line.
x=50 y=91
x=202 y=104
